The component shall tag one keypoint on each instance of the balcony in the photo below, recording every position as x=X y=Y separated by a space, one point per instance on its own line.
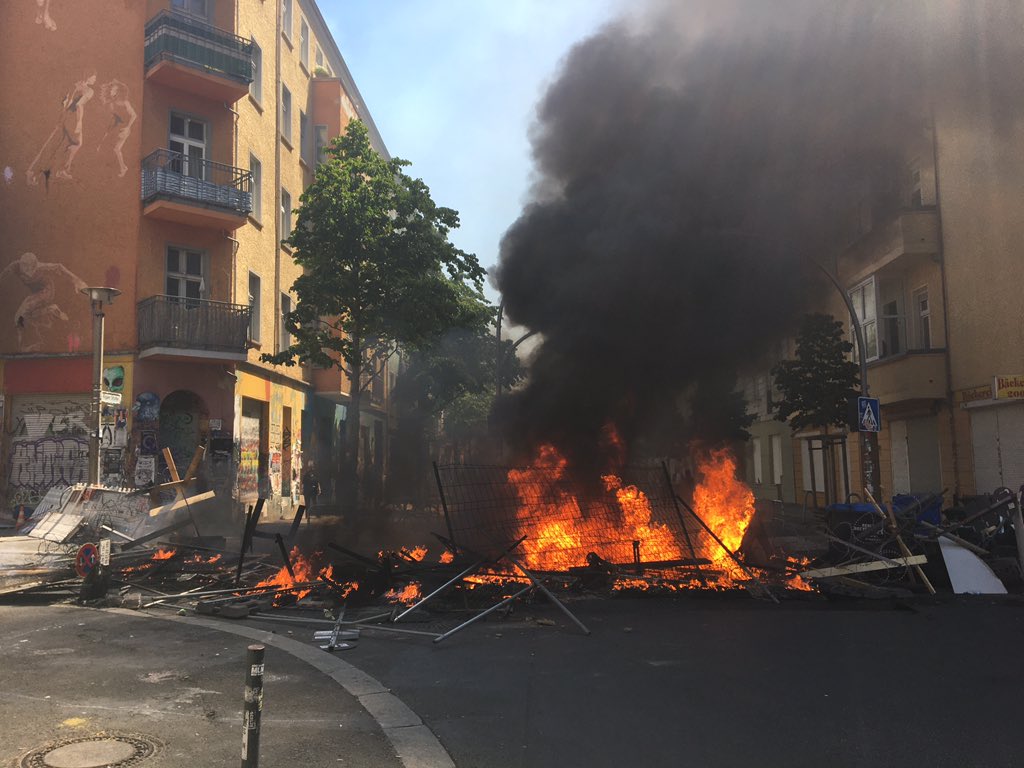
x=189 y=55
x=903 y=370
x=902 y=242
x=190 y=190
x=173 y=328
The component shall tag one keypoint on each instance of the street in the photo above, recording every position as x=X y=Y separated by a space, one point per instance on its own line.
x=704 y=681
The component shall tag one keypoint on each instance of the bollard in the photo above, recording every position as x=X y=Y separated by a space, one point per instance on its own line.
x=253 y=707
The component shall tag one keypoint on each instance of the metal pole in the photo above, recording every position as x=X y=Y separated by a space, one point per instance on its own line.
x=97 y=387
x=253 y=706
x=868 y=440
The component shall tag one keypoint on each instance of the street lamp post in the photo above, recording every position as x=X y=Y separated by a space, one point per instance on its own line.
x=99 y=297
x=868 y=440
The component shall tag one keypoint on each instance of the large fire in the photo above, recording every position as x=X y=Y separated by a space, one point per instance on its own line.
x=305 y=570
x=561 y=532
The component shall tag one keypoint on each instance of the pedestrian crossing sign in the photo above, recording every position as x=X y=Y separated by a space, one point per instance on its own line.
x=868 y=418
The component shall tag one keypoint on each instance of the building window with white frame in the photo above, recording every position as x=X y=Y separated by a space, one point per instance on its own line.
x=188 y=138
x=198 y=8
x=319 y=56
x=286 y=113
x=304 y=42
x=286 y=214
x=186 y=274
x=320 y=150
x=256 y=86
x=864 y=301
x=256 y=169
x=758 y=458
x=254 y=307
x=303 y=137
x=923 y=313
x=286 y=18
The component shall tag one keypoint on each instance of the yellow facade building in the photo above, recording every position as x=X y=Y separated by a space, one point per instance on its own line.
x=936 y=284
x=160 y=148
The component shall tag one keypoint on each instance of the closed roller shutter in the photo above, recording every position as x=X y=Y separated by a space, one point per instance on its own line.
x=900 y=454
x=997 y=434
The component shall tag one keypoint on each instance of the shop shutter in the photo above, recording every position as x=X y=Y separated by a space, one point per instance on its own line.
x=900 y=457
x=985 y=441
x=1011 y=445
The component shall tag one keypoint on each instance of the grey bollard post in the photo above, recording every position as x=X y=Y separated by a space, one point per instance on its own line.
x=253 y=707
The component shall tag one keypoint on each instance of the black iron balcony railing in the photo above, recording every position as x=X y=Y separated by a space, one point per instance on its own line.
x=181 y=38
x=176 y=176
x=180 y=323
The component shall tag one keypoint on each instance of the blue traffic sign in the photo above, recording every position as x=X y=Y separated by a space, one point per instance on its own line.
x=868 y=414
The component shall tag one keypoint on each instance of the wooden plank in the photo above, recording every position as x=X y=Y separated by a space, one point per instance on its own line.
x=894 y=530
x=875 y=565
x=182 y=502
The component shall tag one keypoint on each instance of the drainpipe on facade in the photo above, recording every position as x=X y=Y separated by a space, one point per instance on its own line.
x=950 y=400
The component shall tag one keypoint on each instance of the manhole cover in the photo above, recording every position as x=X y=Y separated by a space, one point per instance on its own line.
x=101 y=750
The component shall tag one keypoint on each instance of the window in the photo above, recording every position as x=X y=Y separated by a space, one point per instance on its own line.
x=321 y=144
x=863 y=298
x=193 y=7
x=188 y=139
x=286 y=18
x=319 y=57
x=256 y=86
x=254 y=305
x=303 y=136
x=304 y=43
x=776 y=445
x=256 y=169
x=924 y=318
x=286 y=308
x=758 y=474
x=185 y=274
x=914 y=172
x=286 y=214
x=286 y=113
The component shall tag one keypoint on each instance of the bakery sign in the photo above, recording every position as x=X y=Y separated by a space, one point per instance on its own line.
x=1008 y=387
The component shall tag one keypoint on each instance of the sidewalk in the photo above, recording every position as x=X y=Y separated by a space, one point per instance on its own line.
x=70 y=672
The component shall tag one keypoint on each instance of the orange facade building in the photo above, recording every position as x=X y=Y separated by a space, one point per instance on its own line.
x=159 y=147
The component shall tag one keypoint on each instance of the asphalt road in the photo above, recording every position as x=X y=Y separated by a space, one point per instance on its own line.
x=721 y=681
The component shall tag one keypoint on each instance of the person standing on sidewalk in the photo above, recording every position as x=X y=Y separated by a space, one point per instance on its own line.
x=310 y=488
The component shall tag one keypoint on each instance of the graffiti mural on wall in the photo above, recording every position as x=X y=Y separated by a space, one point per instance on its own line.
x=39 y=309
x=249 y=458
x=114 y=95
x=65 y=140
x=49 y=447
x=43 y=16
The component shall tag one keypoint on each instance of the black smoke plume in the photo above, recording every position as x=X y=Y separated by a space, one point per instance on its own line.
x=691 y=163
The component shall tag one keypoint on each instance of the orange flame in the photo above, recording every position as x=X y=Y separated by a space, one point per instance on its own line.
x=164 y=554
x=727 y=506
x=416 y=553
x=446 y=557
x=305 y=570
x=408 y=595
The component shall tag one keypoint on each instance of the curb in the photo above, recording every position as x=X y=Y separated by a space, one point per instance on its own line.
x=413 y=742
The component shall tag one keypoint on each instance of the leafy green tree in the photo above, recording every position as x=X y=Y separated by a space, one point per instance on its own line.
x=817 y=386
x=379 y=273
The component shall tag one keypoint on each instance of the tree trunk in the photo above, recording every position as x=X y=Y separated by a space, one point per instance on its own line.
x=350 y=468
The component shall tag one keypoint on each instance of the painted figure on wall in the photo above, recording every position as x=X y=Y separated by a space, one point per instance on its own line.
x=43 y=16
x=63 y=143
x=38 y=310
x=113 y=378
x=114 y=95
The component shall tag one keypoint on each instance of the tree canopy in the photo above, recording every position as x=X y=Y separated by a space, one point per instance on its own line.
x=817 y=386
x=379 y=272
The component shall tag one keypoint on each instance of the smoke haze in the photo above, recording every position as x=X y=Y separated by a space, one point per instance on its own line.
x=690 y=163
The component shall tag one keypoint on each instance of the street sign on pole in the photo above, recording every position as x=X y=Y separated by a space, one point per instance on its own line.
x=868 y=414
x=110 y=398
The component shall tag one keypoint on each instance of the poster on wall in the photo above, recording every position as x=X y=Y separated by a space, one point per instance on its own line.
x=145 y=471
x=249 y=458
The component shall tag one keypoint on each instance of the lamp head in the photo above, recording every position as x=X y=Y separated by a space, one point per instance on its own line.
x=101 y=294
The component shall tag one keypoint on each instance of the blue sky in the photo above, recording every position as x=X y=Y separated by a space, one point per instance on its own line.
x=452 y=86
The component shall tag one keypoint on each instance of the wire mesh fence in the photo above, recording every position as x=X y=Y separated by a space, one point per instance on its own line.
x=634 y=520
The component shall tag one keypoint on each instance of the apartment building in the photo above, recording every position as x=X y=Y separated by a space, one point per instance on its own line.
x=935 y=281
x=159 y=148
